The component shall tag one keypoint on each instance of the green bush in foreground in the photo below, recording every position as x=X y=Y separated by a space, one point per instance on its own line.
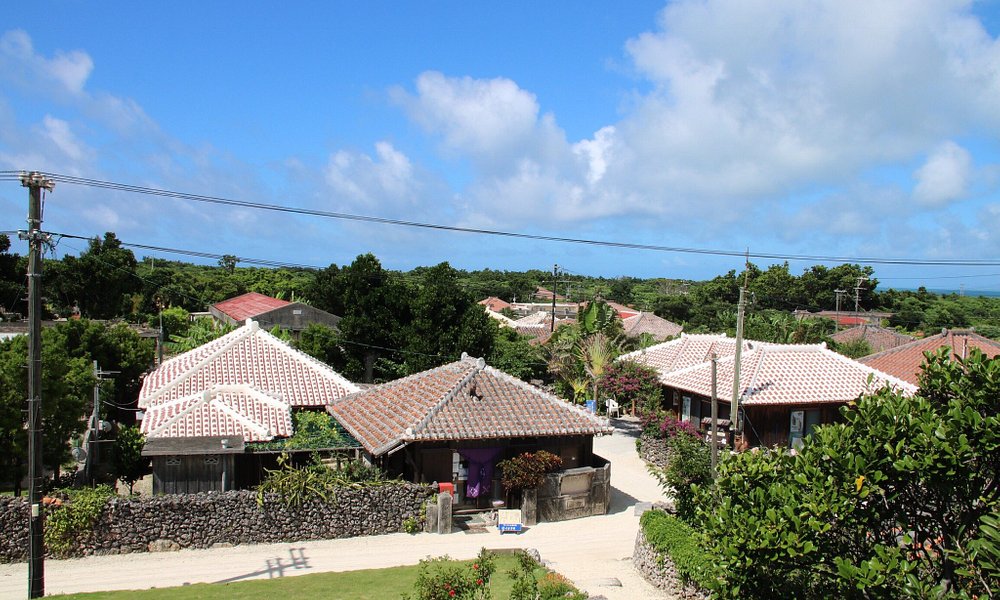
x=678 y=541
x=899 y=500
x=74 y=518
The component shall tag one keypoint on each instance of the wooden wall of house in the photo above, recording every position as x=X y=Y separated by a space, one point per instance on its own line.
x=770 y=425
x=193 y=474
x=296 y=317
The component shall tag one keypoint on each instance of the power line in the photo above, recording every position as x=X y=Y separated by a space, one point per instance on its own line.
x=96 y=183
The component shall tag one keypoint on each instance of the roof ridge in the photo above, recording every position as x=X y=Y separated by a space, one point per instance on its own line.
x=239 y=335
x=295 y=352
x=477 y=366
x=537 y=390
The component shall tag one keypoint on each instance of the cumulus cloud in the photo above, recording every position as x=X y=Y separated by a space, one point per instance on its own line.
x=384 y=181
x=944 y=177
x=69 y=70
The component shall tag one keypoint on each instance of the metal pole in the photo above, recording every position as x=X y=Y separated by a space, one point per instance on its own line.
x=36 y=551
x=715 y=413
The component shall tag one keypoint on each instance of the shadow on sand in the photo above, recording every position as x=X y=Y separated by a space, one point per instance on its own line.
x=276 y=567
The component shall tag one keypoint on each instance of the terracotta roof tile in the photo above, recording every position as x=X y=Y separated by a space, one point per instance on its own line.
x=905 y=361
x=787 y=374
x=249 y=356
x=878 y=338
x=495 y=304
x=221 y=411
x=654 y=325
x=685 y=351
x=248 y=306
x=464 y=400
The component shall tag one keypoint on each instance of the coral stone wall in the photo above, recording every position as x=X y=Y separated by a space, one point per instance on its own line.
x=653 y=450
x=170 y=522
x=659 y=571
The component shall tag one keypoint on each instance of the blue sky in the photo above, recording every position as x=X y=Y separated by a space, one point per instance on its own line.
x=857 y=129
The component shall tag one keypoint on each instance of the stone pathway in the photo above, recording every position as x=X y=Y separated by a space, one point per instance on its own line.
x=595 y=552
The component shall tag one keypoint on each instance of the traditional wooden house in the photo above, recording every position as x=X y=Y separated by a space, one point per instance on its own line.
x=203 y=407
x=271 y=312
x=905 y=361
x=452 y=424
x=784 y=392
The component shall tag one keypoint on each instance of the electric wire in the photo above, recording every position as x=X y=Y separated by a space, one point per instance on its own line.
x=135 y=189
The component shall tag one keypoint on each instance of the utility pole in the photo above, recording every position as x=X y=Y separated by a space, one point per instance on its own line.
x=35 y=182
x=839 y=293
x=93 y=451
x=734 y=409
x=555 y=273
x=715 y=413
x=857 y=294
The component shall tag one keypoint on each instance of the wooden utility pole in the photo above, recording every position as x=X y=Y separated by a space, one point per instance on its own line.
x=555 y=273
x=735 y=423
x=840 y=294
x=715 y=413
x=35 y=182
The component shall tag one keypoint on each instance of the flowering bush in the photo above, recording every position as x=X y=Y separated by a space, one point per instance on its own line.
x=527 y=471
x=443 y=579
x=635 y=386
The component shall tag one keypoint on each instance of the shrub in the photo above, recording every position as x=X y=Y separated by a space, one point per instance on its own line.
x=689 y=463
x=314 y=481
x=74 y=517
x=635 y=386
x=527 y=471
x=675 y=539
x=899 y=500
x=443 y=579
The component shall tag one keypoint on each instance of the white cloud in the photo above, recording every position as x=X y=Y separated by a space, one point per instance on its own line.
x=384 y=181
x=944 y=177
x=70 y=70
x=58 y=132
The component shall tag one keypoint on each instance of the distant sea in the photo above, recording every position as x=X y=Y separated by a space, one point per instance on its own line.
x=943 y=292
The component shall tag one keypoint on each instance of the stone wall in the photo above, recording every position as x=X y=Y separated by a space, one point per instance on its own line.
x=205 y=520
x=653 y=450
x=659 y=570
x=575 y=493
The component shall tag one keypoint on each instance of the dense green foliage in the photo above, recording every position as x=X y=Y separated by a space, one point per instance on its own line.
x=896 y=501
x=682 y=544
x=74 y=516
x=313 y=431
x=127 y=460
x=444 y=579
x=314 y=480
x=67 y=388
x=688 y=461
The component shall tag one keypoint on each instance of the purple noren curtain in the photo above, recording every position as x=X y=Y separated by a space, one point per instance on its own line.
x=482 y=461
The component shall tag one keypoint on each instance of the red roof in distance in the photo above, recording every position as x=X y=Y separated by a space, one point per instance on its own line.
x=248 y=306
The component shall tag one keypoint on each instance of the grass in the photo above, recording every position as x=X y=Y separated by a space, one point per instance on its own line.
x=371 y=584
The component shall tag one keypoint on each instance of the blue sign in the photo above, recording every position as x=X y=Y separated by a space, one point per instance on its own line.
x=592 y=406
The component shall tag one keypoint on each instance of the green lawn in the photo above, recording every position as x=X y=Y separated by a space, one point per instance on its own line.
x=374 y=584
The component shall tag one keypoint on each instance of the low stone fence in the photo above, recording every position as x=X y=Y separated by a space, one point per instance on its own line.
x=148 y=524
x=653 y=450
x=575 y=493
x=659 y=571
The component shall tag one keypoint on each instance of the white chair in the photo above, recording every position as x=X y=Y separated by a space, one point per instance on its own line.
x=613 y=408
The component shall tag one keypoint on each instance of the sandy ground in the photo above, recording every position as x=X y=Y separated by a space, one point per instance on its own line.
x=595 y=552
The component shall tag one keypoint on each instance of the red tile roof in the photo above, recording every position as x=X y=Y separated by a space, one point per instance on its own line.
x=544 y=294
x=623 y=311
x=787 y=374
x=463 y=400
x=657 y=327
x=249 y=356
x=905 y=361
x=248 y=306
x=878 y=338
x=685 y=351
x=495 y=304
x=220 y=411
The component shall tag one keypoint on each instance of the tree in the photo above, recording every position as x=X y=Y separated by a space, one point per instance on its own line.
x=12 y=287
x=895 y=501
x=228 y=263
x=127 y=459
x=99 y=282
x=446 y=321
x=323 y=344
x=515 y=354
x=66 y=388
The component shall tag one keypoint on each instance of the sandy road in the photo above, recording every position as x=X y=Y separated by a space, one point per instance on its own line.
x=595 y=552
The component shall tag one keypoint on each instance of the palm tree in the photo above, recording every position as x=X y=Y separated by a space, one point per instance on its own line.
x=597 y=352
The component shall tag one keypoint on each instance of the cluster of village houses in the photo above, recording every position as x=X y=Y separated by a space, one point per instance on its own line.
x=208 y=413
